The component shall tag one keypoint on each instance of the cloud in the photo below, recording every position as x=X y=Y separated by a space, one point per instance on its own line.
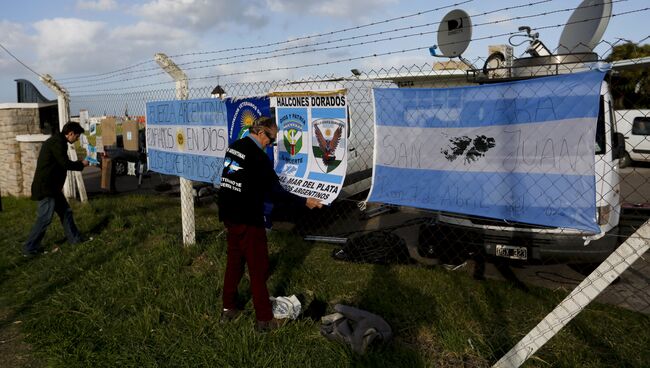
x=358 y=9
x=346 y=8
x=203 y=15
x=14 y=35
x=99 y=5
x=152 y=35
x=19 y=44
x=70 y=46
x=64 y=42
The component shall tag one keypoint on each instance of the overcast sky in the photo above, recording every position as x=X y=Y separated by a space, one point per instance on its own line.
x=72 y=38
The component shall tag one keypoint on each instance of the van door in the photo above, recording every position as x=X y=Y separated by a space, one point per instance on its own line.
x=639 y=142
x=360 y=138
x=608 y=189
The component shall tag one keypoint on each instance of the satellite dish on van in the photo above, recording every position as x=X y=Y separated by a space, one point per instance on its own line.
x=454 y=33
x=585 y=27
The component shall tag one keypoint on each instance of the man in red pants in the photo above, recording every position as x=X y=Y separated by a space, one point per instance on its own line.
x=247 y=180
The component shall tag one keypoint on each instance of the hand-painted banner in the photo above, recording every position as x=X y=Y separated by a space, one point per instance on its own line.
x=242 y=112
x=312 y=143
x=520 y=151
x=187 y=138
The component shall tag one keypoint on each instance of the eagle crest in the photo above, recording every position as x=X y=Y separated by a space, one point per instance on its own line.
x=328 y=146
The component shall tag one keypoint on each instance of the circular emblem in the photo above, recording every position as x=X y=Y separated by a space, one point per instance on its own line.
x=180 y=139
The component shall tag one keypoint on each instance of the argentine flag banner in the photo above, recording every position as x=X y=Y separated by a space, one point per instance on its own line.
x=187 y=138
x=519 y=151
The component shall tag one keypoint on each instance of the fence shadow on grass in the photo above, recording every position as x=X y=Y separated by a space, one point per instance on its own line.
x=407 y=310
x=84 y=262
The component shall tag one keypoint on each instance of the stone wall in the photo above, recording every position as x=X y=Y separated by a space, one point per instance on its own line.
x=15 y=120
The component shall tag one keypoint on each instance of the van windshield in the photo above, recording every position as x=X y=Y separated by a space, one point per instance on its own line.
x=600 y=128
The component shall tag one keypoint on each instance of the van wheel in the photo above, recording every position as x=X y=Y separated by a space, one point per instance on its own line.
x=625 y=161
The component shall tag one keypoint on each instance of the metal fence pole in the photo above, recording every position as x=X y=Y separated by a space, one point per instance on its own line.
x=187 y=200
x=626 y=254
x=74 y=179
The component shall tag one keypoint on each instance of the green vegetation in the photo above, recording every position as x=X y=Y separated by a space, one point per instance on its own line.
x=630 y=88
x=134 y=297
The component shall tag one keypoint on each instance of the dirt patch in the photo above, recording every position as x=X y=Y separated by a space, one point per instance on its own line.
x=14 y=352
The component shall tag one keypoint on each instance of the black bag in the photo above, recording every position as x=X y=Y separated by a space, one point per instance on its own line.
x=378 y=247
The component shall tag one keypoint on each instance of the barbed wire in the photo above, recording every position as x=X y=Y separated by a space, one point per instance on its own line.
x=155 y=68
x=285 y=41
x=387 y=53
x=20 y=61
x=313 y=50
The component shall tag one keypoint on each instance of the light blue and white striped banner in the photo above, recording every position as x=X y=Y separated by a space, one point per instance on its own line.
x=519 y=151
x=187 y=138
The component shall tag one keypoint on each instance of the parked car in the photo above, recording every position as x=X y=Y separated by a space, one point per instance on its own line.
x=635 y=126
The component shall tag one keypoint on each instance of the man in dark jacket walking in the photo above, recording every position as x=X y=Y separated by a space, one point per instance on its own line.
x=247 y=180
x=51 y=170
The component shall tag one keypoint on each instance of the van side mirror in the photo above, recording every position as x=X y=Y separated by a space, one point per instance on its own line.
x=618 y=150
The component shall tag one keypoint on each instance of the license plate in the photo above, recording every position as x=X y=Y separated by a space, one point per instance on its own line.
x=511 y=252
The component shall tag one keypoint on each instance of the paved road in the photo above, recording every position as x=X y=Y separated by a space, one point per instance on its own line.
x=635 y=184
x=126 y=184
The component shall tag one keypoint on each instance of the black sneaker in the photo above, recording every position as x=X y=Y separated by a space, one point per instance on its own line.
x=34 y=253
x=228 y=315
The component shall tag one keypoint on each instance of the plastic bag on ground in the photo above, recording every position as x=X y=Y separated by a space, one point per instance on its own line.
x=286 y=307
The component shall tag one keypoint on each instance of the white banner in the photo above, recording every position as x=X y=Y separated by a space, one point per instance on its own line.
x=312 y=143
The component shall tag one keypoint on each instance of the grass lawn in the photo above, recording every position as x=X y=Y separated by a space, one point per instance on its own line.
x=135 y=297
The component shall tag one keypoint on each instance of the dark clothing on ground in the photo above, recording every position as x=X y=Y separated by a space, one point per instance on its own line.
x=52 y=167
x=247 y=180
x=51 y=170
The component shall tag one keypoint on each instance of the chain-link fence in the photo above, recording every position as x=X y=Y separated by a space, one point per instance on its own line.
x=488 y=246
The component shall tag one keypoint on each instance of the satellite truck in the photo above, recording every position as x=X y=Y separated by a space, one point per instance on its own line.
x=528 y=242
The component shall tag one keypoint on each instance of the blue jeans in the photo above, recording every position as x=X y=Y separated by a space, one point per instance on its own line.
x=46 y=208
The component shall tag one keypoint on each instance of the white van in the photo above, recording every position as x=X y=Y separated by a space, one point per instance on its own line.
x=522 y=241
x=635 y=126
x=360 y=125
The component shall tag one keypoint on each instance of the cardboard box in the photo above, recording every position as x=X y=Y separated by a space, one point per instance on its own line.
x=109 y=138
x=130 y=135
x=106 y=173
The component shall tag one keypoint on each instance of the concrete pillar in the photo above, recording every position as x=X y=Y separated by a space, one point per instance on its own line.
x=30 y=146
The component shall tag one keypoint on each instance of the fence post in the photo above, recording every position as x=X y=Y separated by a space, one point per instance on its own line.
x=63 y=102
x=611 y=268
x=187 y=200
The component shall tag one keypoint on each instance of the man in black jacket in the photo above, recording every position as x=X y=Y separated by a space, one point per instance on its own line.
x=51 y=170
x=247 y=180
